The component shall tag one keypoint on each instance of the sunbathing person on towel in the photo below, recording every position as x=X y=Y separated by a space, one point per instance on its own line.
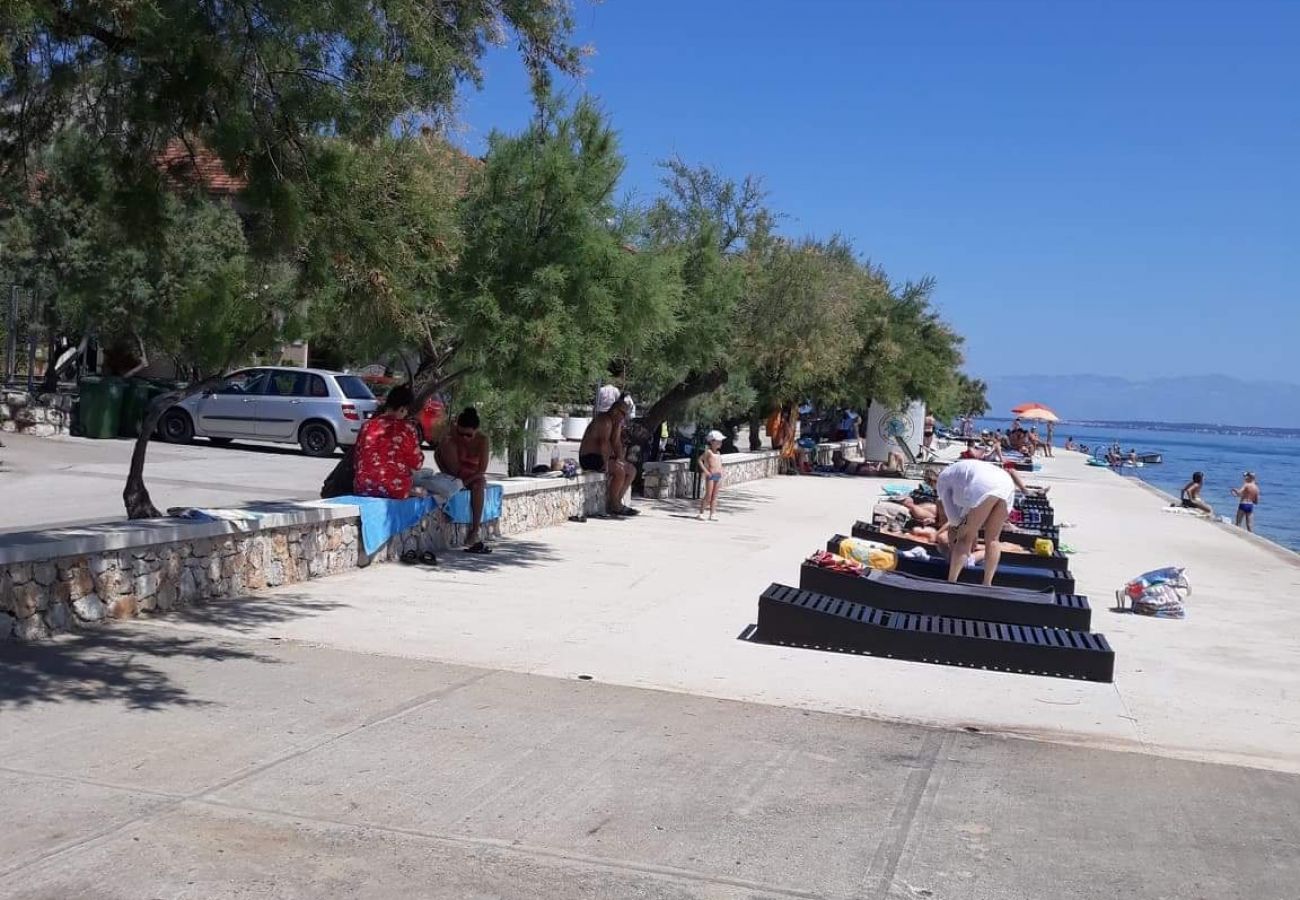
x=892 y=467
x=922 y=505
x=942 y=540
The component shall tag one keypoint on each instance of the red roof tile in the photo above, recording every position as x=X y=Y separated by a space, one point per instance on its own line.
x=204 y=168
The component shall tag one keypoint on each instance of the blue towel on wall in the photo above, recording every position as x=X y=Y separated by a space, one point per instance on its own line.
x=381 y=518
x=458 y=508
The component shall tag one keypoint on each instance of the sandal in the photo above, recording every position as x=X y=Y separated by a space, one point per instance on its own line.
x=578 y=519
x=628 y=511
x=428 y=558
x=478 y=548
x=410 y=557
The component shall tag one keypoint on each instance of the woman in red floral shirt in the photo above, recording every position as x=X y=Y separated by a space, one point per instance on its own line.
x=388 y=450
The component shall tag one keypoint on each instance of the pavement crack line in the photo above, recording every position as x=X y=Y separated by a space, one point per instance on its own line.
x=514 y=847
x=1128 y=714
x=172 y=801
x=378 y=719
x=879 y=880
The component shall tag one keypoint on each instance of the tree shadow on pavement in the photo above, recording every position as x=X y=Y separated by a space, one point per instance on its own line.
x=252 y=612
x=108 y=664
x=113 y=662
x=507 y=553
x=730 y=500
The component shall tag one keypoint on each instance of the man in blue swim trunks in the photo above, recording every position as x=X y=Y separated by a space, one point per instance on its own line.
x=1247 y=496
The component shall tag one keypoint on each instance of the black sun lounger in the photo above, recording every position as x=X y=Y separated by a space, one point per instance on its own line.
x=1037 y=511
x=1025 y=536
x=1007 y=575
x=799 y=618
x=1012 y=534
x=907 y=593
x=1056 y=561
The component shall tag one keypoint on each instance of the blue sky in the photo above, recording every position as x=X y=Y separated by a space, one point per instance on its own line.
x=1097 y=186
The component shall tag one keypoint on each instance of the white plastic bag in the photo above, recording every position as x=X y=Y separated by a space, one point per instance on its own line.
x=437 y=484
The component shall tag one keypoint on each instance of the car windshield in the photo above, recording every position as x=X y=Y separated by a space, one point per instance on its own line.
x=353 y=387
x=249 y=381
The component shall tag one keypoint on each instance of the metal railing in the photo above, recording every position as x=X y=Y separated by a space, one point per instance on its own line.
x=22 y=324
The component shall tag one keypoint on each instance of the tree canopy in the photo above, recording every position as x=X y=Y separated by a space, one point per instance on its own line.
x=516 y=278
x=186 y=289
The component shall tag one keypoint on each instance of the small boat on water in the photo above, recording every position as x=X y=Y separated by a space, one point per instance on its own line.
x=1151 y=459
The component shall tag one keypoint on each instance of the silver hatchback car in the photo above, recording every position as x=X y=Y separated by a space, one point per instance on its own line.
x=314 y=408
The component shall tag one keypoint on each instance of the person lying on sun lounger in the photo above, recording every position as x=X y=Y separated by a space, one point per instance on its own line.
x=892 y=467
x=922 y=505
x=940 y=537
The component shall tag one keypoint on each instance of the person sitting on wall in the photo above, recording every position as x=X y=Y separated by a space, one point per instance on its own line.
x=388 y=450
x=602 y=450
x=465 y=453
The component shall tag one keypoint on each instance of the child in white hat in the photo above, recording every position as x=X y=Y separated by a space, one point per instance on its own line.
x=711 y=466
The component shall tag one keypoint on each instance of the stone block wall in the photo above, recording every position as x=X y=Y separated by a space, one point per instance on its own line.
x=42 y=416
x=117 y=571
x=673 y=478
x=529 y=505
x=50 y=596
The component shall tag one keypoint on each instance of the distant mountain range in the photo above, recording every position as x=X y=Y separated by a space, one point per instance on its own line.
x=1205 y=399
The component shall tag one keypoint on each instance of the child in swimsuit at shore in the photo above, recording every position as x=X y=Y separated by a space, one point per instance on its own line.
x=711 y=466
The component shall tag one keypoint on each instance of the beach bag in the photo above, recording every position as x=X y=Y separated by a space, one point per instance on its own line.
x=1163 y=601
x=338 y=483
x=1170 y=575
x=1161 y=593
x=871 y=554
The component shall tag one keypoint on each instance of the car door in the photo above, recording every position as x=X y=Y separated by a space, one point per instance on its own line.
x=232 y=409
x=282 y=406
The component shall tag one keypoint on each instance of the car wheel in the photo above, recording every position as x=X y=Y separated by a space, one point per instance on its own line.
x=317 y=439
x=221 y=442
x=177 y=427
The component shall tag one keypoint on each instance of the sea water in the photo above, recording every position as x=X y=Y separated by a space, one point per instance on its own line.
x=1223 y=457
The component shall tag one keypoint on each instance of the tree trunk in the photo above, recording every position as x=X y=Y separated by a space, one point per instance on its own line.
x=695 y=384
x=51 y=383
x=135 y=496
x=515 y=461
x=730 y=427
x=139 y=505
x=429 y=378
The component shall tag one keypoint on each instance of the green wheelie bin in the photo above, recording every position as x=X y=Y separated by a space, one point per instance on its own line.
x=140 y=392
x=100 y=407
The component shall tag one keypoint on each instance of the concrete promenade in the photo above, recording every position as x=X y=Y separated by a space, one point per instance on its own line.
x=425 y=733
x=659 y=602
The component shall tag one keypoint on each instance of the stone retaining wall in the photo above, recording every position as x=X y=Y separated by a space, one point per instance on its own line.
x=53 y=595
x=62 y=579
x=42 y=416
x=673 y=477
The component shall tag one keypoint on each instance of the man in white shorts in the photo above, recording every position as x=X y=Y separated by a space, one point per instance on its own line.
x=976 y=496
